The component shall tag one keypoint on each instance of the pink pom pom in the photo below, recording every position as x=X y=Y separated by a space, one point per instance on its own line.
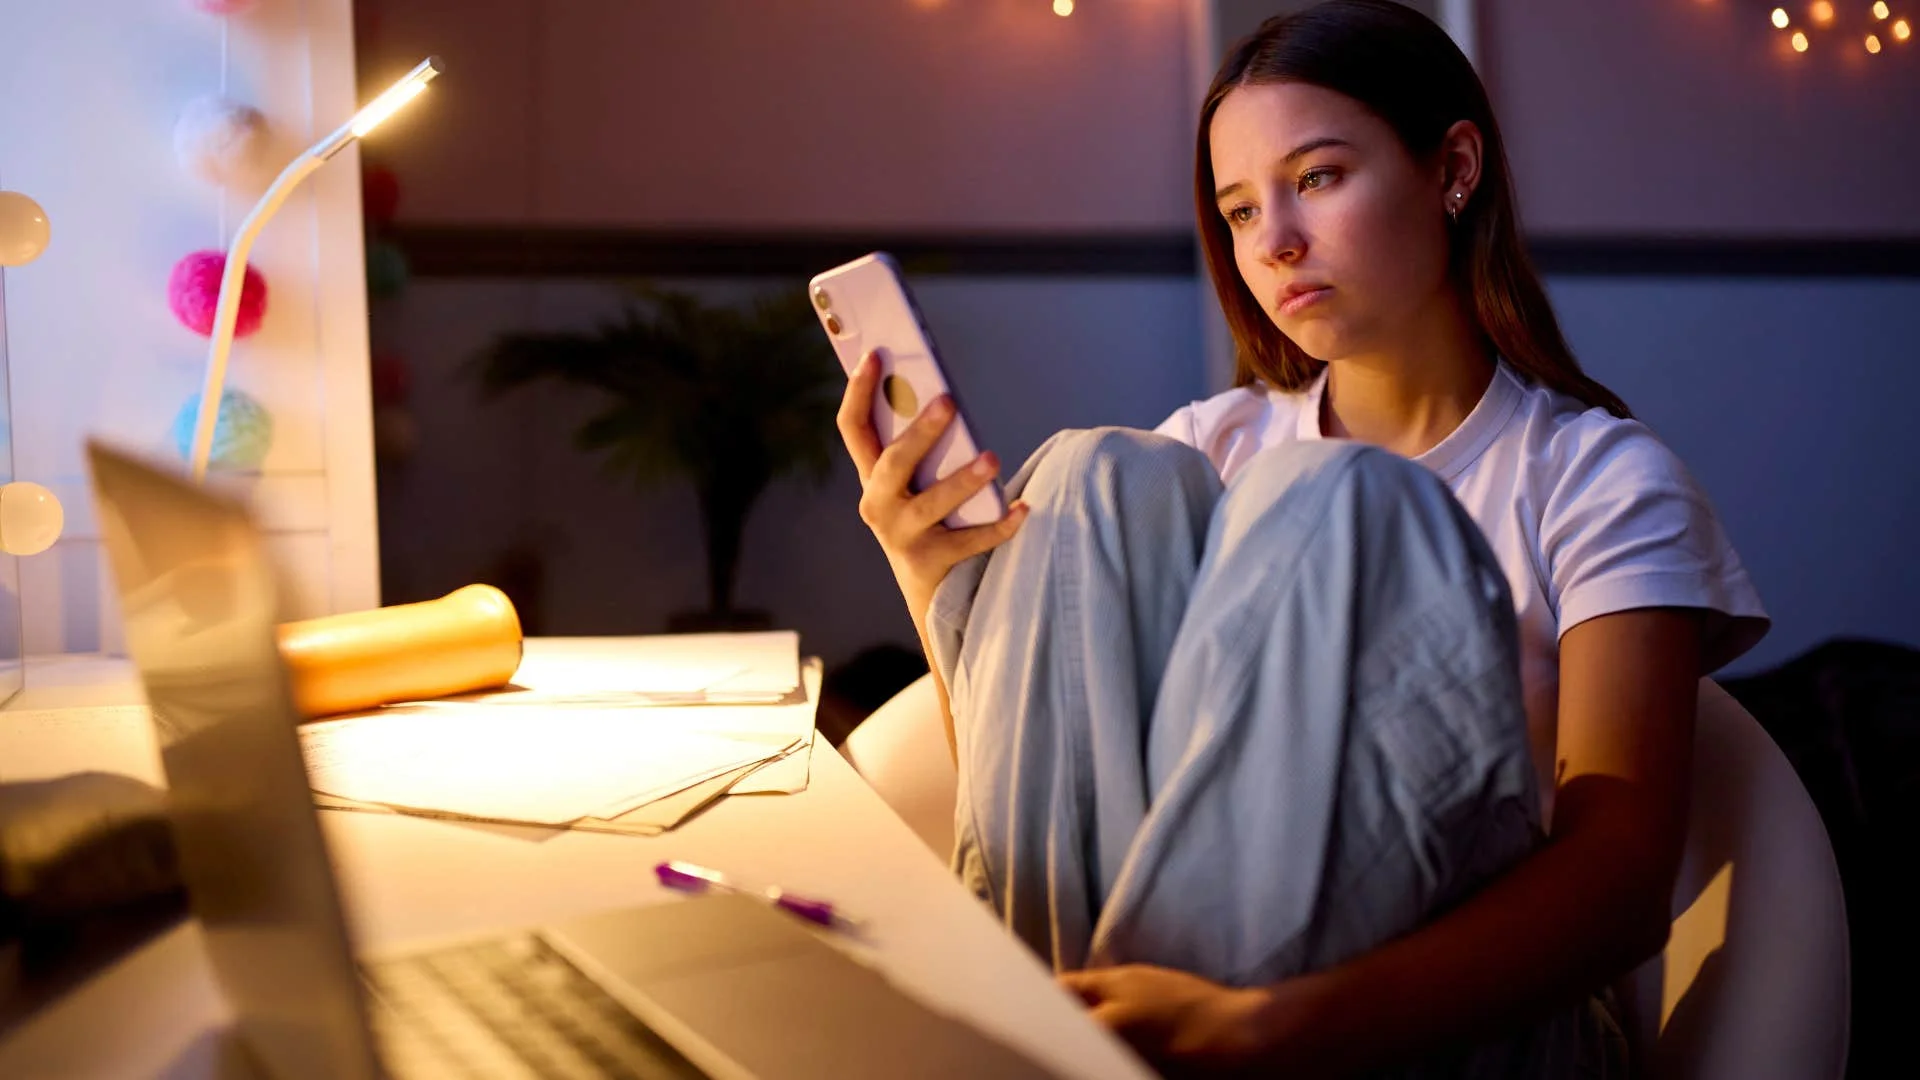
x=223 y=7
x=193 y=292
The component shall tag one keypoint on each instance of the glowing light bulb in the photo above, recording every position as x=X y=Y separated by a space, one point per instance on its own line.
x=1822 y=12
x=1799 y=41
x=1063 y=8
x=1880 y=9
x=1780 y=18
x=1873 y=43
x=1901 y=31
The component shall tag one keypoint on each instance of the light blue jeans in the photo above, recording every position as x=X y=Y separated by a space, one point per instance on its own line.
x=1248 y=733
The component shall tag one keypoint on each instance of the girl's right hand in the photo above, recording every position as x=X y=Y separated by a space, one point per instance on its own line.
x=919 y=547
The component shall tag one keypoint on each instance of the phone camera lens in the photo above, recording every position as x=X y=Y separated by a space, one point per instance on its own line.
x=833 y=324
x=821 y=300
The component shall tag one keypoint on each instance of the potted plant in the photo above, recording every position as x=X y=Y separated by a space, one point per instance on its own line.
x=727 y=398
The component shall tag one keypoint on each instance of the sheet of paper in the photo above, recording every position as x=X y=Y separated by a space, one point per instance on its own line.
x=656 y=817
x=643 y=798
x=669 y=811
x=667 y=669
x=543 y=766
x=788 y=774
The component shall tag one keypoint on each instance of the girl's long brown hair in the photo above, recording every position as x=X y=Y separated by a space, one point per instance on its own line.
x=1406 y=70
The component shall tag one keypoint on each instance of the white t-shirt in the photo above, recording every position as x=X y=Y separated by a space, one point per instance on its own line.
x=1587 y=513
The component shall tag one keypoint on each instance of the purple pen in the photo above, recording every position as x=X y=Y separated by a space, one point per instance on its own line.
x=688 y=877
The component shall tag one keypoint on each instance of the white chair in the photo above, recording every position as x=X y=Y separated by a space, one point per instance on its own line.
x=901 y=749
x=1753 y=983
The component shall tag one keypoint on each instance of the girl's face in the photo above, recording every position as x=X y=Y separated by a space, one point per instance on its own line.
x=1338 y=232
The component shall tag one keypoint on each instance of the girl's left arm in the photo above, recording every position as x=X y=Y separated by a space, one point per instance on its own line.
x=1587 y=907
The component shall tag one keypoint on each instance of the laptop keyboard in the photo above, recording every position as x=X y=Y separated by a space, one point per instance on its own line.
x=508 y=1007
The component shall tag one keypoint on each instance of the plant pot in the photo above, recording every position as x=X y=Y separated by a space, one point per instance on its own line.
x=732 y=621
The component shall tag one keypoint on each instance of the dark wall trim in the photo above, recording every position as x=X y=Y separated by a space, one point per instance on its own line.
x=1704 y=257
x=456 y=251
x=488 y=251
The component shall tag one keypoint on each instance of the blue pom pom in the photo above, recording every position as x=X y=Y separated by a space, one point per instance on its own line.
x=241 y=435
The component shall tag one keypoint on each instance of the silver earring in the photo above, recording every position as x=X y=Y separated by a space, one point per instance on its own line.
x=1453 y=212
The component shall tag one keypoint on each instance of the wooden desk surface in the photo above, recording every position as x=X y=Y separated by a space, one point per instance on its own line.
x=159 y=1013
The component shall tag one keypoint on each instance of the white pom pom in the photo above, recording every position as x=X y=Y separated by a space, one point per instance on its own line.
x=30 y=518
x=219 y=140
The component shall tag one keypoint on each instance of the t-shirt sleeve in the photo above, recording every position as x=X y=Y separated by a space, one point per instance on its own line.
x=1626 y=527
x=1180 y=426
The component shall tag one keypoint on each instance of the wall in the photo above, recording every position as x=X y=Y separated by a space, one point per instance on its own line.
x=919 y=115
x=1695 y=117
x=88 y=103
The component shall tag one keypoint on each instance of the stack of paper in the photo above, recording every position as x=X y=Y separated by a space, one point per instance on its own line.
x=673 y=669
x=613 y=734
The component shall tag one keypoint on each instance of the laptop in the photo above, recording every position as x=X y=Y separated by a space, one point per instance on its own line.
x=711 y=986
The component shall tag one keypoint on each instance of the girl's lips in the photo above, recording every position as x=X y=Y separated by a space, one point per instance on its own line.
x=1292 y=303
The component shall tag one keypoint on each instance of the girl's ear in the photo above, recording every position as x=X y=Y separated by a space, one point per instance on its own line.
x=1460 y=159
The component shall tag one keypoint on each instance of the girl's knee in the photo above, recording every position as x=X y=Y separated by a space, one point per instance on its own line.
x=1107 y=463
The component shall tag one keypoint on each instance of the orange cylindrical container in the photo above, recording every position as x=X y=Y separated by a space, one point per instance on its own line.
x=467 y=640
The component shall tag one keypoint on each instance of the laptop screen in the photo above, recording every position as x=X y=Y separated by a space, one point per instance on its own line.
x=199 y=598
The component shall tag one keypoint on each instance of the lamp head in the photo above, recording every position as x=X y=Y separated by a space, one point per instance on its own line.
x=395 y=96
x=375 y=112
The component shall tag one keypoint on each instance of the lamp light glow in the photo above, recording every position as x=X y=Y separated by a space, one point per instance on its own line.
x=1780 y=19
x=1822 y=12
x=220 y=343
x=1880 y=9
x=1873 y=43
x=1799 y=41
x=1901 y=31
x=390 y=102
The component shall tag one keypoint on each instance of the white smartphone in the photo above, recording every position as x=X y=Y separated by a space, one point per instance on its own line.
x=865 y=305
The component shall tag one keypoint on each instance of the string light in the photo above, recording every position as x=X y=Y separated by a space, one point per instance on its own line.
x=1063 y=8
x=1823 y=14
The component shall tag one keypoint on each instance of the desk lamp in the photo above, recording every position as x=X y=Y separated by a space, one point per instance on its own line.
x=234 y=275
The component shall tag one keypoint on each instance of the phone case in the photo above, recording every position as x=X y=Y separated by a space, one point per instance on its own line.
x=865 y=305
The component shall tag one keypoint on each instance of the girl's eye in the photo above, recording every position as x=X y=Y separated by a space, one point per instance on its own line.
x=1240 y=215
x=1315 y=179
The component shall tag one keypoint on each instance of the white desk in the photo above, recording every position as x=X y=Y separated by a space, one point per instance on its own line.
x=158 y=1012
